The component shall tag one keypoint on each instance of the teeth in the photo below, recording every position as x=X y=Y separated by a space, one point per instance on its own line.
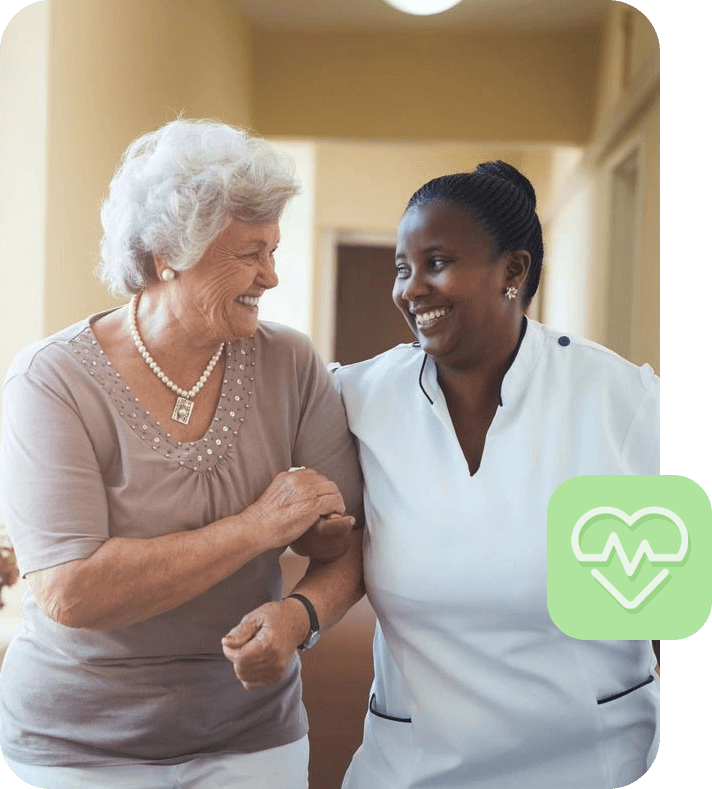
x=252 y=301
x=428 y=317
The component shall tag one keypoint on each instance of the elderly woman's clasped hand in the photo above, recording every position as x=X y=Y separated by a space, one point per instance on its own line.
x=293 y=503
x=262 y=644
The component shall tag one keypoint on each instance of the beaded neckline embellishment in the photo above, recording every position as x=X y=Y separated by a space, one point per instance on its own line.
x=205 y=453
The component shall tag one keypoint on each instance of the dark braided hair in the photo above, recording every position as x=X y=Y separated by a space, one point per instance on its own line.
x=503 y=200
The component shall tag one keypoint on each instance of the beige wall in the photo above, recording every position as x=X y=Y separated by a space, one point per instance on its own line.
x=365 y=185
x=118 y=69
x=531 y=87
x=628 y=42
x=361 y=190
x=579 y=223
x=23 y=151
x=23 y=154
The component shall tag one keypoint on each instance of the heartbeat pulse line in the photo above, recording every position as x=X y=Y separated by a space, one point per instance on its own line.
x=630 y=566
x=613 y=542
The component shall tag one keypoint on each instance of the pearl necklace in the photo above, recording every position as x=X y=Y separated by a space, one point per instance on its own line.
x=184 y=404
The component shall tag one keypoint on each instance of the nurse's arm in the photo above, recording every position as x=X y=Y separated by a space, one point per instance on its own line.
x=261 y=646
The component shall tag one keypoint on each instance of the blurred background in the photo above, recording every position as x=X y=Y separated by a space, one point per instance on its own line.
x=371 y=103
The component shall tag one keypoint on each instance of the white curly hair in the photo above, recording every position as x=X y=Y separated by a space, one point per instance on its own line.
x=177 y=187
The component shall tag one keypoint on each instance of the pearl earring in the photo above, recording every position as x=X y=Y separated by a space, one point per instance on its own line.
x=511 y=292
x=168 y=274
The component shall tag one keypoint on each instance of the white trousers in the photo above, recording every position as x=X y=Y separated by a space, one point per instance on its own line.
x=285 y=767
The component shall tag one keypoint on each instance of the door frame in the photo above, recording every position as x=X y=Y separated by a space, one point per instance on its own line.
x=324 y=329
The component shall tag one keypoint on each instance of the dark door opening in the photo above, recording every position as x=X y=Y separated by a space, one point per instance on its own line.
x=367 y=321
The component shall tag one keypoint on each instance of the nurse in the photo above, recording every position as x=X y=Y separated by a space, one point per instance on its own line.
x=463 y=436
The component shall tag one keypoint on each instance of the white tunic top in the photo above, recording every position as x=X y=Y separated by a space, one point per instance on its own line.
x=474 y=684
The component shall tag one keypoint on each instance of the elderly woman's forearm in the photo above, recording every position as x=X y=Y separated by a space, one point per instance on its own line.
x=130 y=580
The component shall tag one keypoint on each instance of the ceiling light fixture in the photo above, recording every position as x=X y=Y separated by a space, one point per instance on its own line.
x=423 y=7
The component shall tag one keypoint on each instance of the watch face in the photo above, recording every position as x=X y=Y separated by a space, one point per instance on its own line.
x=312 y=638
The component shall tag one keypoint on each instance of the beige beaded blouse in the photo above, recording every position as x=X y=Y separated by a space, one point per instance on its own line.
x=81 y=461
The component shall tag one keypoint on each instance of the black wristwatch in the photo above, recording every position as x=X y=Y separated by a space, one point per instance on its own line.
x=314 y=633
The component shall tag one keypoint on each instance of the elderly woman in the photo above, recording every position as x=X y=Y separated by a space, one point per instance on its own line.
x=151 y=477
x=463 y=436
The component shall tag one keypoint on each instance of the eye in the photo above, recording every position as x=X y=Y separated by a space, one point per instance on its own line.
x=438 y=264
x=402 y=270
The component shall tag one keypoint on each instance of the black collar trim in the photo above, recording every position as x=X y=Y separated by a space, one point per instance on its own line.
x=522 y=332
x=420 y=377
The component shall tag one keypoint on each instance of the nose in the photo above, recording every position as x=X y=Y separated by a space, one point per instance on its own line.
x=268 y=276
x=414 y=287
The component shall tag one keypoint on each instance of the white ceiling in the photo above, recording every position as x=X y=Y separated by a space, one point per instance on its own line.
x=470 y=15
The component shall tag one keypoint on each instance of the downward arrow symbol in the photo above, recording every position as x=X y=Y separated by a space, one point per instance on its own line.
x=639 y=598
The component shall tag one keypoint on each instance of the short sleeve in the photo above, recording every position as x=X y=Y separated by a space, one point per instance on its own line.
x=335 y=368
x=323 y=440
x=52 y=493
x=641 y=446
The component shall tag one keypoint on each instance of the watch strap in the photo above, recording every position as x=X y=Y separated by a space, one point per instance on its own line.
x=313 y=620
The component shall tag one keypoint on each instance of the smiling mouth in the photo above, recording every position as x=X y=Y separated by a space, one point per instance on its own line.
x=425 y=319
x=248 y=301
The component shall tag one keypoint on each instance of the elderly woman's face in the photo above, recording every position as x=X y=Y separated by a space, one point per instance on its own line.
x=221 y=291
x=449 y=283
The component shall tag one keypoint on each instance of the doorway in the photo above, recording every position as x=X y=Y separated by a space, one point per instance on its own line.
x=366 y=320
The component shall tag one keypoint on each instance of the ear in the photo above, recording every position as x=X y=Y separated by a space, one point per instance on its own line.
x=158 y=264
x=517 y=268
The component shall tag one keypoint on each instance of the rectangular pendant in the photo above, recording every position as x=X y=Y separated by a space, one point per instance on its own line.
x=182 y=411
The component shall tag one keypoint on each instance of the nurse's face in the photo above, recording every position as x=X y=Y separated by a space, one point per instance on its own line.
x=450 y=285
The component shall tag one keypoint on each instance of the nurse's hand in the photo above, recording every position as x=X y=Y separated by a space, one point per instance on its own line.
x=261 y=646
x=327 y=540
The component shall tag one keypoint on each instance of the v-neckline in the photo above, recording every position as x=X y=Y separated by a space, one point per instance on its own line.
x=440 y=406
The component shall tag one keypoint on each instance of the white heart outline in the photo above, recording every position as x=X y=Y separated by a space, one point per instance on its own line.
x=613 y=543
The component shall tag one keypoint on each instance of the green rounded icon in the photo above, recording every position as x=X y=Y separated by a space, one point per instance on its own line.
x=628 y=557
